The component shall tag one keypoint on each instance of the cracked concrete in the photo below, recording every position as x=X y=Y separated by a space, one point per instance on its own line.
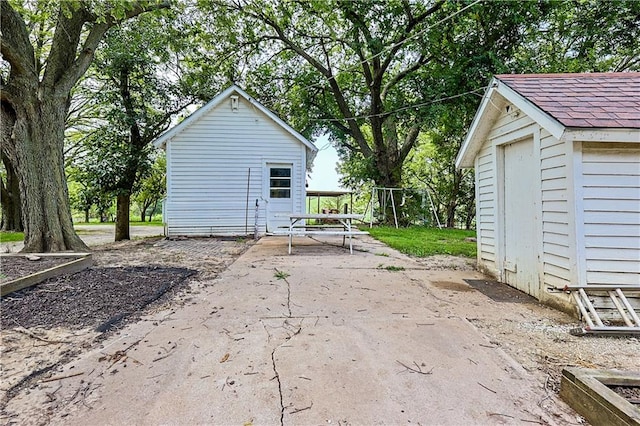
x=328 y=344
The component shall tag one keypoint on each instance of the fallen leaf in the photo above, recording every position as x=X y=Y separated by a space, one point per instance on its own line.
x=224 y=358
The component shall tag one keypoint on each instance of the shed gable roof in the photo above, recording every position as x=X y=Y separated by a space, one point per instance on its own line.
x=596 y=106
x=162 y=140
x=600 y=100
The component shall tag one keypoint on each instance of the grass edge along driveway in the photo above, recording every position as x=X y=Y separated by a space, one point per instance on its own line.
x=422 y=241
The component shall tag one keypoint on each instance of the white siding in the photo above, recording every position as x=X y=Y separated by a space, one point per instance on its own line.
x=556 y=250
x=485 y=205
x=509 y=125
x=611 y=198
x=209 y=164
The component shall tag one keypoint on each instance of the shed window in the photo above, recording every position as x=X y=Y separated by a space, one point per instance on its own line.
x=280 y=183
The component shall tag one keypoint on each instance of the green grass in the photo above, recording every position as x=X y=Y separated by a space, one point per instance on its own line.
x=422 y=242
x=9 y=237
x=391 y=268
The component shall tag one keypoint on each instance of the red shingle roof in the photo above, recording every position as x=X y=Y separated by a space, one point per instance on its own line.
x=583 y=100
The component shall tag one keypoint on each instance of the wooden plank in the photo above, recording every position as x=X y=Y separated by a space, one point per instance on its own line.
x=66 y=268
x=582 y=390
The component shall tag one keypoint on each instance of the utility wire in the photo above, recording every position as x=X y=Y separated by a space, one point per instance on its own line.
x=403 y=108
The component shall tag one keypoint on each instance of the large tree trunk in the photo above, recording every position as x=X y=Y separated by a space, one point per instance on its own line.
x=39 y=165
x=122 y=217
x=10 y=199
x=9 y=193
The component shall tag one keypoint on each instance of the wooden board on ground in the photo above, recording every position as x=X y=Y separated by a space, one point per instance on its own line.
x=586 y=391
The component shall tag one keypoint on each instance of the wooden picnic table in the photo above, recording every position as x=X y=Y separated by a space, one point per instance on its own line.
x=345 y=227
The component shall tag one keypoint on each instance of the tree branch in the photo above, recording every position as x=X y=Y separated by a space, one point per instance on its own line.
x=80 y=65
x=404 y=35
x=14 y=42
x=402 y=74
x=346 y=112
x=409 y=141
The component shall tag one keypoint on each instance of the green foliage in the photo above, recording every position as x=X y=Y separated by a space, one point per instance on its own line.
x=281 y=275
x=152 y=188
x=423 y=242
x=8 y=237
x=132 y=223
x=391 y=268
x=583 y=36
x=135 y=88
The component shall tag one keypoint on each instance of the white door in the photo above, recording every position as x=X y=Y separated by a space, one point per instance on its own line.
x=280 y=195
x=520 y=256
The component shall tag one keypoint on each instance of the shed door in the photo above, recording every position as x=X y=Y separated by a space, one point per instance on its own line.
x=280 y=195
x=520 y=258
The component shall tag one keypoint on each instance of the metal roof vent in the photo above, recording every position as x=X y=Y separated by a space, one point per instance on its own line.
x=234 y=103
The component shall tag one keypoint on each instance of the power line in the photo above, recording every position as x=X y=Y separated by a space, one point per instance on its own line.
x=403 y=108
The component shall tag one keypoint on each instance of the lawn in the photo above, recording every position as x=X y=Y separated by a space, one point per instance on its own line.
x=422 y=242
x=9 y=237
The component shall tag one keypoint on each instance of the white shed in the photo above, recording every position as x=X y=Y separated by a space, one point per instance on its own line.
x=227 y=159
x=557 y=173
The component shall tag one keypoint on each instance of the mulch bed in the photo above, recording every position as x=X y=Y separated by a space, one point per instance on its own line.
x=630 y=393
x=94 y=297
x=13 y=267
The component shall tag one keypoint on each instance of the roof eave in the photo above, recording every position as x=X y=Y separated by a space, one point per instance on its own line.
x=490 y=110
x=480 y=126
x=605 y=134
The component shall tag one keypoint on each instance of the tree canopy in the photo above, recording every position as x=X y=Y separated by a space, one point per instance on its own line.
x=394 y=83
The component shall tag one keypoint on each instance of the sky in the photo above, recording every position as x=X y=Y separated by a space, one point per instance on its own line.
x=324 y=176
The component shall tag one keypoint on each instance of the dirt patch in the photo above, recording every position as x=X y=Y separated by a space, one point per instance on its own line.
x=452 y=285
x=446 y=262
x=19 y=266
x=95 y=297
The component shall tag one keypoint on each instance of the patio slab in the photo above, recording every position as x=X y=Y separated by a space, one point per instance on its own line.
x=336 y=339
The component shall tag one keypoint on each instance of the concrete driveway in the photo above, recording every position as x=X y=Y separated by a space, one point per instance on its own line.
x=356 y=339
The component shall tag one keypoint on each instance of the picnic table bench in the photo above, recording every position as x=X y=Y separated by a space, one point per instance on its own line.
x=342 y=226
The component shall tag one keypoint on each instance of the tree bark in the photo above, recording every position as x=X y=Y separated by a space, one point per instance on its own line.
x=10 y=199
x=122 y=217
x=39 y=164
